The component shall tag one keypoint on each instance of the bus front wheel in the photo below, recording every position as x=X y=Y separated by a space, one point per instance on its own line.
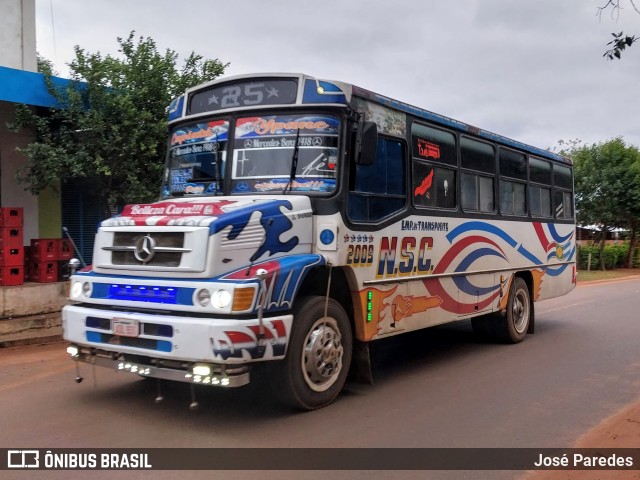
x=319 y=354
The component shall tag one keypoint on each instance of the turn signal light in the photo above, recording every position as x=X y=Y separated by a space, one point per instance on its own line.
x=243 y=299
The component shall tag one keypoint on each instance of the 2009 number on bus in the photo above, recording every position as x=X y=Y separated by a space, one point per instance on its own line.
x=360 y=255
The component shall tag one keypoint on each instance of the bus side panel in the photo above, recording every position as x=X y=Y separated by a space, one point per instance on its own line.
x=408 y=252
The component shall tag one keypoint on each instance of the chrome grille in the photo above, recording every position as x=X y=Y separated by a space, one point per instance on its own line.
x=168 y=248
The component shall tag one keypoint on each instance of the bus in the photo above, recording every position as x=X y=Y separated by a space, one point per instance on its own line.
x=301 y=219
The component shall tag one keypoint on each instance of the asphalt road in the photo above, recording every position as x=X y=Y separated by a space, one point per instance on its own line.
x=436 y=388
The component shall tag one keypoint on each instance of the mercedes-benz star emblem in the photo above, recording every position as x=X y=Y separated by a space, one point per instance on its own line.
x=145 y=249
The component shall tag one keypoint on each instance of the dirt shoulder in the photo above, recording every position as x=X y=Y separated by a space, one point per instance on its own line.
x=597 y=276
x=620 y=430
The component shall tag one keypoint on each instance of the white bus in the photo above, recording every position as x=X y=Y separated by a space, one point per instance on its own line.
x=301 y=219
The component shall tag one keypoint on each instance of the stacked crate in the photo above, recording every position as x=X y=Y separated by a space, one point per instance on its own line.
x=11 y=248
x=47 y=259
x=43 y=260
x=65 y=253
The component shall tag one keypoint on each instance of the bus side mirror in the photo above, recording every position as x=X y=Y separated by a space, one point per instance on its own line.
x=367 y=143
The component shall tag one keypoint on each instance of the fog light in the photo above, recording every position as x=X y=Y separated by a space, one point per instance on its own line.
x=201 y=370
x=221 y=299
x=72 y=350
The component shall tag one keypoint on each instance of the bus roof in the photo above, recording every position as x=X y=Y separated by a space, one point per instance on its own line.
x=456 y=124
x=315 y=91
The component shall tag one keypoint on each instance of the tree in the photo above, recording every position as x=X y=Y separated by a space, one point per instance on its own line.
x=607 y=187
x=620 y=41
x=110 y=130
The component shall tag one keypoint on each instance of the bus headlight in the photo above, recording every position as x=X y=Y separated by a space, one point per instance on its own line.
x=79 y=289
x=221 y=299
x=203 y=297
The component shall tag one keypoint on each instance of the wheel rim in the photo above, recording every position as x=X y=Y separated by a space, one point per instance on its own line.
x=520 y=311
x=322 y=355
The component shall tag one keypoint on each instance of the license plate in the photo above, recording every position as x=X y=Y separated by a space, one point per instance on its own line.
x=126 y=327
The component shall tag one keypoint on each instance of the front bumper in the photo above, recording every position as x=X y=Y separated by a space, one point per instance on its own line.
x=181 y=338
x=218 y=375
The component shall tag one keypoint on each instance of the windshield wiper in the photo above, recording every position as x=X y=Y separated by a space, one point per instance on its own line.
x=294 y=164
x=218 y=167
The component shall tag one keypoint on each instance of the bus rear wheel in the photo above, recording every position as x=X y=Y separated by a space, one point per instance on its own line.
x=510 y=326
x=319 y=354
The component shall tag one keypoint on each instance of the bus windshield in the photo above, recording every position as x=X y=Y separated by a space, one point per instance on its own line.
x=264 y=155
x=197 y=155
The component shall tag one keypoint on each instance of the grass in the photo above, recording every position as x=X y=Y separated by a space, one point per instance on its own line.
x=595 y=275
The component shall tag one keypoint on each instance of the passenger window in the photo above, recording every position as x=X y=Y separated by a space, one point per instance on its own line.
x=478 y=189
x=563 y=187
x=540 y=201
x=564 y=205
x=540 y=195
x=513 y=178
x=433 y=186
x=513 y=164
x=512 y=198
x=477 y=193
x=478 y=156
x=539 y=171
x=434 y=145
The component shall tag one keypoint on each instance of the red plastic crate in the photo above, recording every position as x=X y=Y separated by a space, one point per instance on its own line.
x=63 y=270
x=44 y=249
x=11 y=217
x=43 y=272
x=65 y=249
x=11 y=237
x=13 y=256
x=11 y=276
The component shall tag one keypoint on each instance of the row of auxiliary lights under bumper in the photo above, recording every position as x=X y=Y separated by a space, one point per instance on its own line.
x=195 y=373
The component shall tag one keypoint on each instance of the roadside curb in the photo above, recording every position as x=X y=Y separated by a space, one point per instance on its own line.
x=31 y=329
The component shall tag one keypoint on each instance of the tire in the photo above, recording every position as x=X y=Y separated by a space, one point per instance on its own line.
x=519 y=310
x=510 y=326
x=319 y=354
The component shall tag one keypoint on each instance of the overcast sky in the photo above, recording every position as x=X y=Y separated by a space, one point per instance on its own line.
x=530 y=70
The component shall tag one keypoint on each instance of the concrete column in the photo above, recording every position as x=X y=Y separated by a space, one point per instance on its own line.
x=18 y=34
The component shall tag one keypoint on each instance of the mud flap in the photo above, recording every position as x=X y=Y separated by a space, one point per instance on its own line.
x=363 y=370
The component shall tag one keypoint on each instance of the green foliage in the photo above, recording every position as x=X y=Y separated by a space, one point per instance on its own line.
x=110 y=132
x=614 y=256
x=607 y=183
